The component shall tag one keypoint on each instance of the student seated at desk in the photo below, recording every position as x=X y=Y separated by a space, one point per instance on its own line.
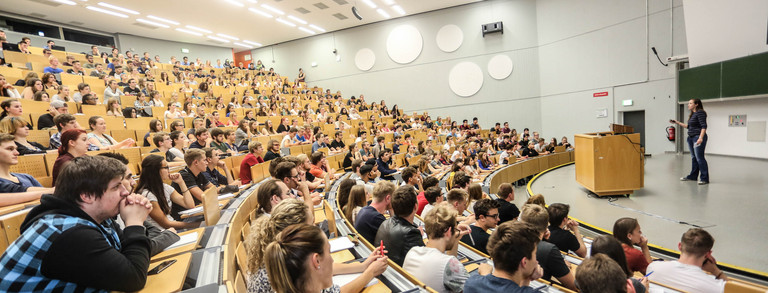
x=627 y=231
x=67 y=243
x=18 y=128
x=164 y=144
x=696 y=269
x=193 y=178
x=212 y=173
x=370 y=218
x=513 y=250
x=289 y=212
x=560 y=228
x=357 y=200
x=159 y=238
x=507 y=210
x=436 y=264
x=385 y=164
x=304 y=251
x=252 y=158
x=16 y=188
x=154 y=170
x=398 y=233
x=609 y=246
x=547 y=254
x=600 y=273
x=320 y=167
x=487 y=216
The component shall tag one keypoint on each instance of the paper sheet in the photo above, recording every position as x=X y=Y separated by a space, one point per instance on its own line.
x=226 y=195
x=192 y=211
x=340 y=243
x=342 y=280
x=185 y=239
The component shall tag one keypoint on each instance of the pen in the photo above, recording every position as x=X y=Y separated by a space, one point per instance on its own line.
x=648 y=274
x=381 y=248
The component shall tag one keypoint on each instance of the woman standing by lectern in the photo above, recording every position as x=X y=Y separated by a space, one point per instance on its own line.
x=697 y=141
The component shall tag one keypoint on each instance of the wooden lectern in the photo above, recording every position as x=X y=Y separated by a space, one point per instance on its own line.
x=608 y=163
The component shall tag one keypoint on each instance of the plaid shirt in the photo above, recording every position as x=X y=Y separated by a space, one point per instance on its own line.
x=56 y=142
x=21 y=263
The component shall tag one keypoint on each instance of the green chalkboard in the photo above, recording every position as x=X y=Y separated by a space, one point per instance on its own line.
x=701 y=82
x=745 y=76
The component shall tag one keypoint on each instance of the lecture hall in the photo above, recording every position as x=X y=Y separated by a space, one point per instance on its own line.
x=383 y=146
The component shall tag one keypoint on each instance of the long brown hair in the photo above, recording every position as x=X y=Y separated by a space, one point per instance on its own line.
x=287 y=256
x=356 y=199
x=698 y=107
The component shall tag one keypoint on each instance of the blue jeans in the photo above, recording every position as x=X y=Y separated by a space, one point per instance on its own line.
x=698 y=162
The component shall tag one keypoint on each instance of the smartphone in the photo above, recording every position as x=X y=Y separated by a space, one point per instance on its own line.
x=671 y=121
x=161 y=267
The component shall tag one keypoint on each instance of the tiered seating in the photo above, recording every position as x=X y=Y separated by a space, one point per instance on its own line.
x=228 y=221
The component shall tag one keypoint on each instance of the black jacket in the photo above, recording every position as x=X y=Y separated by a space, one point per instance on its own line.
x=81 y=255
x=399 y=237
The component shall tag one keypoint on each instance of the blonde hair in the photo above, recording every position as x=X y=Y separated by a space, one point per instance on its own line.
x=265 y=229
x=11 y=124
x=439 y=219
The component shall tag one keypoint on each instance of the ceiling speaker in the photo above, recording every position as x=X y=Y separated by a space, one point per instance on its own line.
x=357 y=14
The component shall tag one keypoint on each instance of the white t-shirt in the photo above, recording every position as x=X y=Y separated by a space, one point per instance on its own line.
x=503 y=156
x=684 y=277
x=426 y=209
x=455 y=155
x=440 y=271
x=152 y=197
x=286 y=139
x=176 y=152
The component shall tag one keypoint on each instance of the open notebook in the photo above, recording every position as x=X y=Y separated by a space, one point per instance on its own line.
x=184 y=240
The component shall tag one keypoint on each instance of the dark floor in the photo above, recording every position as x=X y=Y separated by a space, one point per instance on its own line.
x=733 y=207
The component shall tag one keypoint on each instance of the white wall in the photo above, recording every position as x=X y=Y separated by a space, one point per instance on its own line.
x=601 y=46
x=732 y=141
x=723 y=30
x=166 y=49
x=423 y=84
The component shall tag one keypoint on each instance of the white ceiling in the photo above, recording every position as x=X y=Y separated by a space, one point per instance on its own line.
x=221 y=17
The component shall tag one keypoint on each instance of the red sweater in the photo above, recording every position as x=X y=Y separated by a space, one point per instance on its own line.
x=635 y=259
x=245 y=167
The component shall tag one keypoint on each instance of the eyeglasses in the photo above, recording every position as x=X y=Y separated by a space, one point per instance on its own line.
x=493 y=216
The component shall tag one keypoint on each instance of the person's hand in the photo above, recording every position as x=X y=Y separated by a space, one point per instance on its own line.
x=571 y=224
x=699 y=141
x=375 y=254
x=463 y=229
x=710 y=265
x=484 y=269
x=53 y=111
x=645 y=282
x=538 y=272
x=378 y=266
x=176 y=178
x=221 y=164
x=135 y=199
x=643 y=241
x=134 y=209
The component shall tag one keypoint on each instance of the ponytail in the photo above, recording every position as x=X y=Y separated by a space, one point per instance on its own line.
x=280 y=277
x=286 y=257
